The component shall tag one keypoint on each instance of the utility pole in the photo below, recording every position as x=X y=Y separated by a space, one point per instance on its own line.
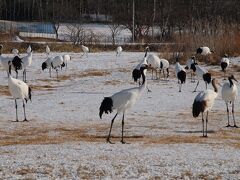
x=133 y=19
x=154 y=12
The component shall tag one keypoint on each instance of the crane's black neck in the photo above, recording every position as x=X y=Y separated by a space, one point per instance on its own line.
x=230 y=81
x=146 y=51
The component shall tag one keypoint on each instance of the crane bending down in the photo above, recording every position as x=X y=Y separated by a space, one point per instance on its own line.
x=19 y=90
x=122 y=101
x=229 y=94
x=203 y=102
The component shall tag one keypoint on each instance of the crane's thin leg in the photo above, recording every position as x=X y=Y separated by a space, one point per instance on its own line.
x=108 y=138
x=57 y=73
x=202 y=125
x=206 y=84
x=16 y=74
x=164 y=76
x=16 y=110
x=224 y=77
x=228 y=125
x=156 y=74
x=191 y=77
x=152 y=73
x=122 y=141
x=196 y=86
x=25 y=119
x=206 y=124
x=167 y=72
x=160 y=73
x=180 y=87
x=233 y=115
x=50 y=72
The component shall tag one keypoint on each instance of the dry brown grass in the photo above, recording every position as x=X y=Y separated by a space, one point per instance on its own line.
x=112 y=82
x=4 y=90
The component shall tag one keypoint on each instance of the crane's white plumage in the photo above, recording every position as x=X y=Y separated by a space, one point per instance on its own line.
x=191 y=66
x=29 y=49
x=66 y=59
x=47 y=50
x=204 y=50
x=229 y=95
x=57 y=62
x=85 y=50
x=15 y=51
x=202 y=73
x=19 y=90
x=118 y=50
x=47 y=65
x=203 y=102
x=153 y=62
x=122 y=101
x=26 y=61
x=18 y=39
x=164 y=65
x=224 y=64
x=136 y=73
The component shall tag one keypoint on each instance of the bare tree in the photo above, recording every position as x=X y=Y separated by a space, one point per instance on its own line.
x=115 y=30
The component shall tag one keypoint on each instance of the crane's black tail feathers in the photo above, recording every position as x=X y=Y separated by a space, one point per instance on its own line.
x=207 y=77
x=198 y=107
x=181 y=76
x=17 y=63
x=29 y=94
x=223 y=66
x=199 y=50
x=136 y=74
x=106 y=106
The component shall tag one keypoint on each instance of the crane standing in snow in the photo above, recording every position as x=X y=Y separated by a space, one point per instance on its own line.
x=47 y=65
x=191 y=65
x=66 y=59
x=119 y=51
x=224 y=64
x=203 y=102
x=57 y=62
x=229 y=94
x=122 y=101
x=85 y=50
x=180 y=73
x=47 y=50
x=26 y=61
x=19 y=90
x=136 y=73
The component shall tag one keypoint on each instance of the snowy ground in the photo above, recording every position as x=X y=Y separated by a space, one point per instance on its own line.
x=65 y=139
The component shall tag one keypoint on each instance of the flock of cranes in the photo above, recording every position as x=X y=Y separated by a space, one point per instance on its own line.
x=125 y=99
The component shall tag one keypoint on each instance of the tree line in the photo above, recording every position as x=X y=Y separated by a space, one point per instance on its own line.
x=168 y=17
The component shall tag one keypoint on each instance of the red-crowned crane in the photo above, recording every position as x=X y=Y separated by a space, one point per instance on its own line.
x=57 y=62
x=224 y=64
x=47 y=65
x=19 y=90
x=229 y=95
x=203 y=103
x=119 y=51
x=204 y=50
x=85 y=50
x=26 y=61
x=136 y=73
x=191 y=65
x=202 y=73
x=180 y=74
x=122 y=101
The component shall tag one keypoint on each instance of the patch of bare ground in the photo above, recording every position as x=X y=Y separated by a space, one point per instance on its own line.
x=112 y=82
x=83 y=74
x=123 y=70
x=43 y=169
x=4 y=90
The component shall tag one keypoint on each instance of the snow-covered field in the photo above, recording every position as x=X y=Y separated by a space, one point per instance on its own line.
x=65 y=138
